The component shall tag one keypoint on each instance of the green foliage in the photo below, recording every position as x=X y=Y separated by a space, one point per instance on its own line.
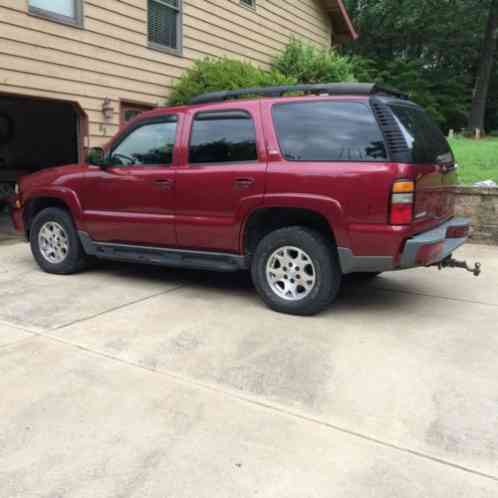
x=427 y=48
x=299 y=63
x=309 y=64
x=211 y=75
x=477 y=159
x=427 y=86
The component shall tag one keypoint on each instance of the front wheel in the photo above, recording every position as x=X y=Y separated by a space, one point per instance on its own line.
x=295 y=270
x=55 y=244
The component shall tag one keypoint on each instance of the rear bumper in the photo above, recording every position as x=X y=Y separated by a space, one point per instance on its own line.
x=423 y=249
x=435 y=245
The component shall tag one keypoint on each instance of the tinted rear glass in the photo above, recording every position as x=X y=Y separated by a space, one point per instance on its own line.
x=424 y=138
x=328 y=131
x=223 y=137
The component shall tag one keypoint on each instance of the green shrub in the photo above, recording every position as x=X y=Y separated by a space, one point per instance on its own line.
x=309 y=64
x=212 y=75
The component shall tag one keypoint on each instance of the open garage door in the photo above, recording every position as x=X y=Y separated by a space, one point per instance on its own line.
x=35 y=134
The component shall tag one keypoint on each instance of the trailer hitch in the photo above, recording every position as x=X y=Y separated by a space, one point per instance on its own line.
x=449 y=262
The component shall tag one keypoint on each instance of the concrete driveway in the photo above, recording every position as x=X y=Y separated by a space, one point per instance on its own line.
x=130 y=381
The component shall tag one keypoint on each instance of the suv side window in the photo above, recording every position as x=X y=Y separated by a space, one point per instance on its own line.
x=149 y=143
x=328 y=131
x=223 y=137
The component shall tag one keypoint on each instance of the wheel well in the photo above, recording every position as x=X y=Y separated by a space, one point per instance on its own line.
x=264 y=221
x=36 y=205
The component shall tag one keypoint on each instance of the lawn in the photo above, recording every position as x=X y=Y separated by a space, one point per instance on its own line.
x=478 y=159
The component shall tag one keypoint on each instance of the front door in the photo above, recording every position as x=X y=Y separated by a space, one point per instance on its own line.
x=222 y=178
x=132 y=199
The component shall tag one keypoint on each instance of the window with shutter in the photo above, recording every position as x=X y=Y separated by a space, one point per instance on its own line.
x=165 y=24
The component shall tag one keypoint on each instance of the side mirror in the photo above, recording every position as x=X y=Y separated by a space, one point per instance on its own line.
x=96 y=155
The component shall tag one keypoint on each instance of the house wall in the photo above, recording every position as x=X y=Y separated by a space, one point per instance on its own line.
x=110 y=57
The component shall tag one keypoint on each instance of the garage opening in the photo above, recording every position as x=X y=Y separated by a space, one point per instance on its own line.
x=35 y=134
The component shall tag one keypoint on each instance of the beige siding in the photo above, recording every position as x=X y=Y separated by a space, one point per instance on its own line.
x=109 y=57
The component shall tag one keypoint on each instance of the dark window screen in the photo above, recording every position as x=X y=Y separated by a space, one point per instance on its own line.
x=163 y=22
x=328 y=131
x=226 y=137
x=425 y=140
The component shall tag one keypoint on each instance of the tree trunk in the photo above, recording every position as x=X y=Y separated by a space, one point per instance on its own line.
x=477 y=115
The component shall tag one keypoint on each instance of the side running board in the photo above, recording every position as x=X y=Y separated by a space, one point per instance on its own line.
x=199 y=260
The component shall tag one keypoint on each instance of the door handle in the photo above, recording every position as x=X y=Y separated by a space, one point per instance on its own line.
x=243 y=183
x=164 y=184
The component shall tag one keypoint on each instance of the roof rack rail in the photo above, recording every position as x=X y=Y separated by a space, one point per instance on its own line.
x=353 y=89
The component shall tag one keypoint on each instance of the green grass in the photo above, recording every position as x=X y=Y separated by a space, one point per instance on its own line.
x=478 y=159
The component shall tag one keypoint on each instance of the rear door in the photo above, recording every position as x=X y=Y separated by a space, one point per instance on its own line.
x=223 y=177
x=433 y=163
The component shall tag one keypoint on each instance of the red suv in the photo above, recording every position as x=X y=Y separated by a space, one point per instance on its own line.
x=300 y=190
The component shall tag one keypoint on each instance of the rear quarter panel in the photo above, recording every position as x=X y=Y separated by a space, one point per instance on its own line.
x=348 y=194
x=353 y=196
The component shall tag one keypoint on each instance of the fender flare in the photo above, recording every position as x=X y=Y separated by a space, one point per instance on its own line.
x=62 y=194
x=330 y=209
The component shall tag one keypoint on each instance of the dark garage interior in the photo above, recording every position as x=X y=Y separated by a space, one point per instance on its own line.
x=34 y=134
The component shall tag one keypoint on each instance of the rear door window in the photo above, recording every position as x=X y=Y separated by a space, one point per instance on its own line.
x=425 y=140
x=328 y=131
x=223 y=137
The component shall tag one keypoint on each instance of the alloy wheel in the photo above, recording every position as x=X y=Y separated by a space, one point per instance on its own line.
x=53 y=242
x=290 y=273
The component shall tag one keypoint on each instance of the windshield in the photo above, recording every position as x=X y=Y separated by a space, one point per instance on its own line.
x=423 y=137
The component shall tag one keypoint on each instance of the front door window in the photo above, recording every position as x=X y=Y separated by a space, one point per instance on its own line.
x=149 y=144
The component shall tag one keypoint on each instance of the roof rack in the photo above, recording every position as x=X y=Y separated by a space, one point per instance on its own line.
x=353 y=89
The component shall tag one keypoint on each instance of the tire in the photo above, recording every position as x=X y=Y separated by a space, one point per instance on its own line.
x=319 y=271
x=63 y=253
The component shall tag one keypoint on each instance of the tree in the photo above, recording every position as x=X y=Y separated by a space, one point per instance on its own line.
x=428 y=48
x=486 y=62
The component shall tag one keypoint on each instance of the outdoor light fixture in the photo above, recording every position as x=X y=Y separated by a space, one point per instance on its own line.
x=108 y=112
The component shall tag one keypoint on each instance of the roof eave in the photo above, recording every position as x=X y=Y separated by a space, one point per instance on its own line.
x=341 y=22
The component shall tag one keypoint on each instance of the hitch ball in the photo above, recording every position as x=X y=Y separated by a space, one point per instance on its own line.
x=449 y=262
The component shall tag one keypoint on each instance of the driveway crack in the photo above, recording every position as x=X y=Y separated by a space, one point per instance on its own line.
x=116 y=308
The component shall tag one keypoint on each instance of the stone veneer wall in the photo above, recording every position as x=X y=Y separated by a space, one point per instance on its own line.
x=480 y=204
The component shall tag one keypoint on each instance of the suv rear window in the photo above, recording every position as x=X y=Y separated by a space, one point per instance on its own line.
x=328 y=131
x=423 y=137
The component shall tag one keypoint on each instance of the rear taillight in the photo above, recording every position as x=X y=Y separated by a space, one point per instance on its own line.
x=402 y=202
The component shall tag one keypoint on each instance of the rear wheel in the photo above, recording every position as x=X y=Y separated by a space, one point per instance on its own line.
x=295 y=270
x=55 y=244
